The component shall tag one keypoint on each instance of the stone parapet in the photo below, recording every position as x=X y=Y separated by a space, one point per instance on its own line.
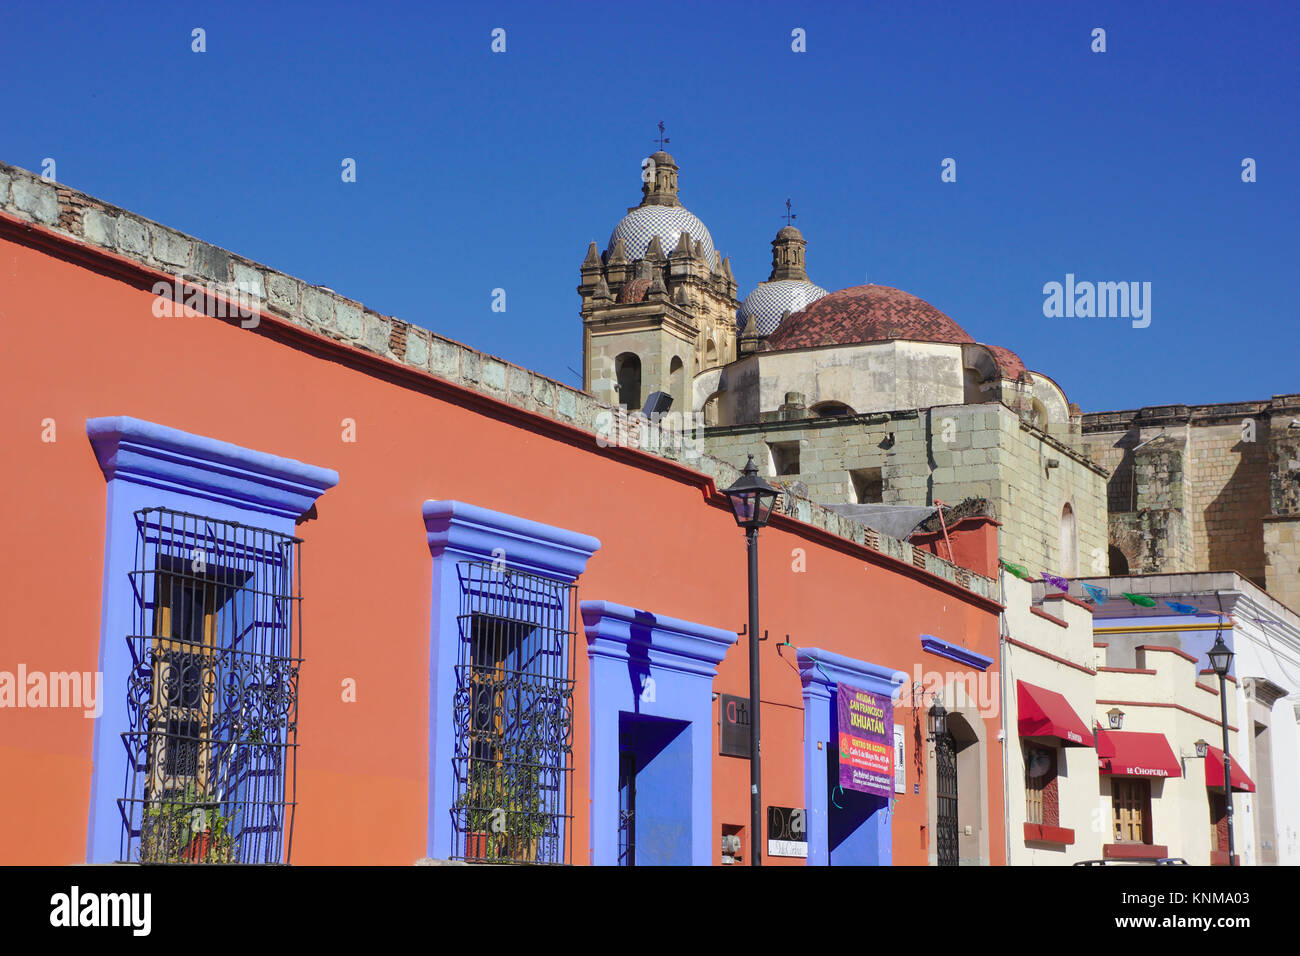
x=58 y=210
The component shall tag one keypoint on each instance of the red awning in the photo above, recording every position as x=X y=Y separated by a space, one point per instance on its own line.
x=1214 y=772
x=1045 y=713
x=1126 y=753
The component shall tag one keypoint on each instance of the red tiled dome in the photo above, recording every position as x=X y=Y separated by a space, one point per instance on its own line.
x=634 y=291
x=866 y=313
x=1008 y=361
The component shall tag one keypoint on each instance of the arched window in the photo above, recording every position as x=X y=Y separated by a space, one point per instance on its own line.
x=1069 y=543
x=1118 y=563
x=627 y=368
x=710 y=354
x=677 y=383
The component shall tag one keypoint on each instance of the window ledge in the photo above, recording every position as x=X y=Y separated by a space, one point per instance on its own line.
x=1042 y=833
x=1134 y=851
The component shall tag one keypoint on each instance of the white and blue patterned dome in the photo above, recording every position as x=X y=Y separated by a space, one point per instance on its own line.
x=770 y=300
x=668 y=223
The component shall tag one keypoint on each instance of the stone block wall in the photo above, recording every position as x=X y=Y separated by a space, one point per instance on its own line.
x=1041 y=475
x=947 y=453
x=1190 y=484
x=1228 y=496
x=1282 y=559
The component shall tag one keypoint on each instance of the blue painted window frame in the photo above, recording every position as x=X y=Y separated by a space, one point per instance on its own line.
x=149 y=465
x=460 y=532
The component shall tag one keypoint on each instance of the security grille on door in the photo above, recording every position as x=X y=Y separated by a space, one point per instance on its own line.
x=212 y=698
x=945 y=762
x=513 y=714
x=626 y=808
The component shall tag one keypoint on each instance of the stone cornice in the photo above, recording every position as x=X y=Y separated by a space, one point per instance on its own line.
x=480 y=534
x=627 y=634
x=821 y=670
x=146 y=453
x=1172 y=415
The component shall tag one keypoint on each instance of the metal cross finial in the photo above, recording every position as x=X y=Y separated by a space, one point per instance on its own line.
x=789 y=216
x=663 y=140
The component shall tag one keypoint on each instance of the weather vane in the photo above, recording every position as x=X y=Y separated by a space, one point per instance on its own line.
x=789 y=216
x=662 y=138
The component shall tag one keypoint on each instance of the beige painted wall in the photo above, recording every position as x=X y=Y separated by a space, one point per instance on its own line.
x=1078 y=784
x=1180 y=810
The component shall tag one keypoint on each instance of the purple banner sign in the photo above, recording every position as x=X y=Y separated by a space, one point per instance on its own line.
x=866 y=729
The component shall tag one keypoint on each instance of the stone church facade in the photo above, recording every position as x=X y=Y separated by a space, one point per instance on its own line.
x=1204 y=488
x=870 y=396
x=865 y=396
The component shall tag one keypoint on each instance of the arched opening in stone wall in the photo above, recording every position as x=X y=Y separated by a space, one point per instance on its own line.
x=677 y=384
x=831 y=409
x=627 y=369
x=710 y=409
x=1118 y=563
x=1069 y=543
x=710 y=354
x=1038 y=414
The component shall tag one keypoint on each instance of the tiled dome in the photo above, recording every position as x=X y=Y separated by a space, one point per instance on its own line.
x=667 y=222
x=866 y=313
x=770 y=300
x=1009 y=362
x=634 y=291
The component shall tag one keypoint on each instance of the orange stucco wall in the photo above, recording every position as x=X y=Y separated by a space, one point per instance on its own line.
x=80 y=341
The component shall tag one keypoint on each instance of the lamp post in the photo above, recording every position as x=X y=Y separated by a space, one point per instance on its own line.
x=1221 y=659
x=751 y=500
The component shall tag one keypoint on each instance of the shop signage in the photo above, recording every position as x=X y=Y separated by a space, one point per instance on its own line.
x=733 y=718
x=866 y=732
x=787 y=832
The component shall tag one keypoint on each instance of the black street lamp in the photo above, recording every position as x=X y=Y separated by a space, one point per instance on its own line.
x=751 y=500
x=937 y=719
x=1221 y=659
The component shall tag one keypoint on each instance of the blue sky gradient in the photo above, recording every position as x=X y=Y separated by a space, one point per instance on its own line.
x=478 y=170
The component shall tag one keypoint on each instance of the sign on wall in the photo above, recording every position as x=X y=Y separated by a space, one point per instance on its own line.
x=900 y=761
x=866 y=732
x=733 y=721
x=787 y=832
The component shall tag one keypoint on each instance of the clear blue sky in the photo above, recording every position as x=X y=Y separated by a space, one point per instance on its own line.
x=479 y=170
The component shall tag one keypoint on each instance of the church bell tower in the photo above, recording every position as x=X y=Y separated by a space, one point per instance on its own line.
x=658 y=303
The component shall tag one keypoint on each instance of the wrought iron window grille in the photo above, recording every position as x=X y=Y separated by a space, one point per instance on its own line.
x=513 y=714
x=212 y=699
